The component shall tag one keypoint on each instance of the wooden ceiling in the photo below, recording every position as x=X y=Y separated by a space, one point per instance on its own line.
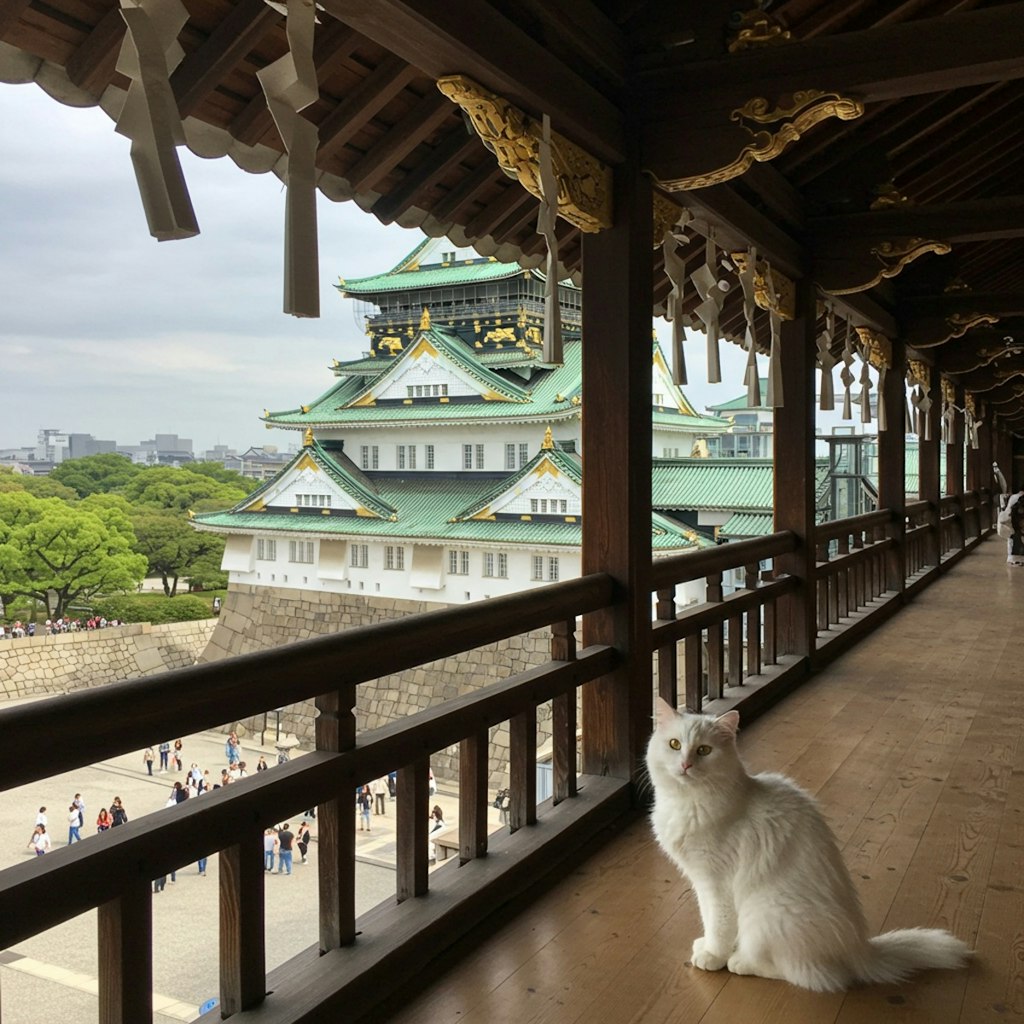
x=935 y=157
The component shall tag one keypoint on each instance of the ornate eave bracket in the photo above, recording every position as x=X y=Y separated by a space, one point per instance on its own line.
x=773 y=292
x=584 y=183
x=937 y=331
x=886 y=260
x=772 y=130
x=877 y=348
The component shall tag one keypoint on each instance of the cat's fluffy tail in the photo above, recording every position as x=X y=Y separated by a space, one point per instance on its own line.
x=898 y=954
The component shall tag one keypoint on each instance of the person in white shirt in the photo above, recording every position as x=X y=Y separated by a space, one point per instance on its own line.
x=40 y=840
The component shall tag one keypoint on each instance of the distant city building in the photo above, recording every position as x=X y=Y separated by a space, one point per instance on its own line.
x=259 y=463
x=750 y=433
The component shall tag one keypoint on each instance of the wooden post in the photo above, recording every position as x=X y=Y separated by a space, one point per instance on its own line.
x=242 y=922
x=412 y=795
x=617 y=276
x=522 y=730
x=794 y=472
x=716 y=641
x=125 y=933
x=892 y=458
x=473 y=796
x=668 y=657
x=929 y=485
x=563 y=717
x=753 y=624
x=336 y=837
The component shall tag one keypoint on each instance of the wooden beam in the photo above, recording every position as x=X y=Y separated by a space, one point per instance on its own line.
x=438 y=38
x=385 y=82
x=10 y=12
x=688 y=108
x=448 y=153
x=245 y=24
x=382 y=157
x=976 y=220
x=91 y=66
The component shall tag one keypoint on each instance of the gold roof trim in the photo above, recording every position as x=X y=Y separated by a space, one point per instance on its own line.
x=877 y=346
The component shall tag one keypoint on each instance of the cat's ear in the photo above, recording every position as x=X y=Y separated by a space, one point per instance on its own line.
x=663 y=712
x=729 y=722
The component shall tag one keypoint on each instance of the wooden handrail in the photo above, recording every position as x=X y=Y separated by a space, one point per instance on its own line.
x=917 y=508
x=42 y=892
x=734 y=555
x=854 y=524
x=859 y=556
x=89 y=726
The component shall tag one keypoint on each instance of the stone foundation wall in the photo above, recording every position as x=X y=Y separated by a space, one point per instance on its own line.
x=40 y=665
x=257 y=618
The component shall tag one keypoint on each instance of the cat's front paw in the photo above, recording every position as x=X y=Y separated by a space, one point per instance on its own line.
x=704 y=958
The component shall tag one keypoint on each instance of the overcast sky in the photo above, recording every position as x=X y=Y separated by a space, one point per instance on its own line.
x=105 y=331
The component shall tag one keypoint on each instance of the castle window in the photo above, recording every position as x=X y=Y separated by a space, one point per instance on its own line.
x=496 y=565
x=479 y=456
x=300 y=551
x=360 y=556
x=364 y=456
x=467 y=456
x=266 y=550
x=400 y=457
x=458 y=563
x=430 y=455
x=544 y=568
x=374 y=457
x=510 y=456
x=412 y=456
x=394 y=557
x=524 y=455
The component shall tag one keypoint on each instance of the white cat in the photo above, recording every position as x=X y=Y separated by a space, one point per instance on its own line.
x=774 y=894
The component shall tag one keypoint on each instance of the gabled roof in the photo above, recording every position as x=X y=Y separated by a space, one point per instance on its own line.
x=551 y=393
x=337 y=467
x=740 y=403
x=552 y=461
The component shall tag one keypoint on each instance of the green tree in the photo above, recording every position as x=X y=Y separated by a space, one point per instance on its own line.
x=164 y=487
x=59 y=553
x=40 y=486
x=223 y=475
x=172 y=548
x=96 y=474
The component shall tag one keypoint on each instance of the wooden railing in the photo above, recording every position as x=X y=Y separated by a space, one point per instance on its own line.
x=114 y=871
x=851 y=569
x=737 y=632
x=918 y=543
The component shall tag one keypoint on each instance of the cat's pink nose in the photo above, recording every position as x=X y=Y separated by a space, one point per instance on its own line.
x=687 y=765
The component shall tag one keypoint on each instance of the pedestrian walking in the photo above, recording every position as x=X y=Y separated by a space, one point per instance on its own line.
x=40 y=840
x=364 y=802
x=302 y=841
x=118 y=815
x=269 y=848
x=177 y=755
x=165 y=756
x=74 y=824
x=148 y=759
x=379 y=788
x=285 y=838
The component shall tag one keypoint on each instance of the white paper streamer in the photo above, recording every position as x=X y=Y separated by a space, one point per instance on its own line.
x=149 y=117
x=883 y=419
x=826 y=361
x=675 y=269
x=705 y=280
x=547 y=218
x=846 y=374
x=290 y=86
x=751 y=377
x=775 y=394
x=865 y=388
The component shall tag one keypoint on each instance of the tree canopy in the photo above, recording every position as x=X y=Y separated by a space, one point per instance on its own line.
x=96 y=473
x=59 y=553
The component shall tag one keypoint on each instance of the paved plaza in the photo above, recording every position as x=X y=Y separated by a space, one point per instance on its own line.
x=53 y=975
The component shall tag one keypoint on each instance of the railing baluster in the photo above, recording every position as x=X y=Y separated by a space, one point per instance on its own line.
x=736 y=650
x=858 y=573
x=563 y=717
x=843 y=578
x=242 y=920
x=770 y=625
x=523 y=769
x=473 y=796
x=692 y=666
x=753 y=625
x=335 y=729
x=821 y=588
x=411 y=831
x=716 y=643
x=668 y=669
x=125 y=934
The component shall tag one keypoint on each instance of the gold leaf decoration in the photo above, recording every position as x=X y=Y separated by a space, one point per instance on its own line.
x=877 y=346
x=893 y=257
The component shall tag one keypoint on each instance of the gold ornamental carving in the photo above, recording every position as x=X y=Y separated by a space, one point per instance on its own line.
x=789 y=123
x=778 y=297
x=893 y=257
x=888 y=197
x=948 y=391
x=757 y=29
x=919 y=372
x=877 y=347
x=961 y=323
x=584 y=183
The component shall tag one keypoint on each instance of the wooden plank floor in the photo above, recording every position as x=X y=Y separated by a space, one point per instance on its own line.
x=914 y=744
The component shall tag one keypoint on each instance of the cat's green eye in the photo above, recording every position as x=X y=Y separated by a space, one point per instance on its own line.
x=675 y=744
x=703 y=750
